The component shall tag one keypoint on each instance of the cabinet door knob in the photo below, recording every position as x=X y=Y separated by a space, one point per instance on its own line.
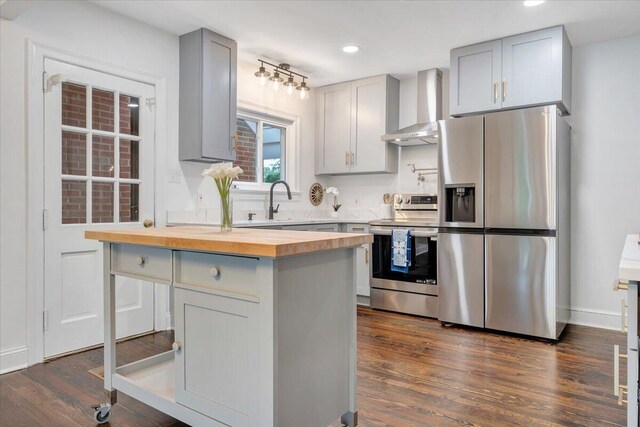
x=140 y=260
x=215 y=272
x=147 y=223
x=176 y=346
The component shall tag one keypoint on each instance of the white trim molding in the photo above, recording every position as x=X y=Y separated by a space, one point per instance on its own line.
x=255 y=191
x=14 y=359
x=36 y=54
x=595 y=318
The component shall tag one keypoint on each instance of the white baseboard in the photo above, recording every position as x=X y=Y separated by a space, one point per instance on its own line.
x=363 y=300
x=595 y=318
x=14 y=359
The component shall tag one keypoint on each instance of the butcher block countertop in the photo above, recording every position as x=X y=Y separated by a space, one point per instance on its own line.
x=239 y=241
x=630 y=260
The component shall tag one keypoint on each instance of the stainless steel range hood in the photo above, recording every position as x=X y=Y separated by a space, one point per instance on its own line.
x=425 y=131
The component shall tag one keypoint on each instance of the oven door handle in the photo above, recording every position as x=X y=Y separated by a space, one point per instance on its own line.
x=415 y=233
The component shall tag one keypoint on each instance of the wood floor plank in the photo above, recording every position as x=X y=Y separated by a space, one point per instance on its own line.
x=411 y=372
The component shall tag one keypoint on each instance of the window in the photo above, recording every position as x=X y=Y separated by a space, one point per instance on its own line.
x=260 y=150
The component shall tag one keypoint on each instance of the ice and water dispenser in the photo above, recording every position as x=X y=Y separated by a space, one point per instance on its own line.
x=460 y=203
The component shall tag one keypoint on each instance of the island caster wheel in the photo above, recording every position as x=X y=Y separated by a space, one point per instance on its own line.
x=101 y=413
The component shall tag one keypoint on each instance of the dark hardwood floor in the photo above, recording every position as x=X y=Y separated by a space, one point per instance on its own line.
x=411 y=372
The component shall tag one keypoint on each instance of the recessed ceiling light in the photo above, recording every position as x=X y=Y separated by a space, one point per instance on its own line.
x=531 y=3
x=351 y=48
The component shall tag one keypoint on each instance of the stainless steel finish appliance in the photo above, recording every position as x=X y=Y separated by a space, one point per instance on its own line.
x=527 y=230
x=461 y=221
x=416 y=291
x=522 y=203
x=425 y=131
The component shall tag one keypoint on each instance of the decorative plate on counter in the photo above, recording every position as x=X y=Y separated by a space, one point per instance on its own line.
x=316 y=193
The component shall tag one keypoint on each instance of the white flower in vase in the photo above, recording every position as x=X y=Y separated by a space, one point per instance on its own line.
x=336 y=206
x=223 y=176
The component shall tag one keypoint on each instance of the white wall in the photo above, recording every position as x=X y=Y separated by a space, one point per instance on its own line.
x=88 y=30
x=605 y=173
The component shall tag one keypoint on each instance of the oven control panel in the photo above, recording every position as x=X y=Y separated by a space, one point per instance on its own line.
x=422 y=202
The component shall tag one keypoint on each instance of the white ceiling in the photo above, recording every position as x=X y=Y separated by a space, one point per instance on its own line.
x=396 y=37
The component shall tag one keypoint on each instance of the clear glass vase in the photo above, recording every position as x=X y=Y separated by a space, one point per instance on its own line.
x=226 y=212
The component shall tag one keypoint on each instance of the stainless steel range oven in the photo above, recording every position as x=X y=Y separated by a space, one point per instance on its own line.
x=416 y=291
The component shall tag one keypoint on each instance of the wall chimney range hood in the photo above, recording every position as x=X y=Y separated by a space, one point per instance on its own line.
x=425 y=131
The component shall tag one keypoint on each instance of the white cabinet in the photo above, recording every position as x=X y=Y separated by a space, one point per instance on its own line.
x=216 y=346
x=475 y=78
x=520 y=71
x=350 y=119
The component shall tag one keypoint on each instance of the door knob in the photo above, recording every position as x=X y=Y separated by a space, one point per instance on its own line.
x=147 y=223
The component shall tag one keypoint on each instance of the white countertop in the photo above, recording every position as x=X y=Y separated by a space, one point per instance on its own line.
x=630 y=261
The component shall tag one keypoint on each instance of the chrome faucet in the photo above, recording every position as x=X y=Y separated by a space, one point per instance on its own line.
x=271 y=209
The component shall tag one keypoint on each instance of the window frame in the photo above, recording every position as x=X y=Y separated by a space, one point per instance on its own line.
x=289 y=150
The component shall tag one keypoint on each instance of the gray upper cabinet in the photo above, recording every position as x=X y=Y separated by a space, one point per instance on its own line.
x=350 y=119
x=208 y=90
x=333 y=128
x=520 y=71
x=536 y=69
x=475 y=77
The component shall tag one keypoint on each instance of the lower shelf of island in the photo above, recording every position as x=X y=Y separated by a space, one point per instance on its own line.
x=152 y=381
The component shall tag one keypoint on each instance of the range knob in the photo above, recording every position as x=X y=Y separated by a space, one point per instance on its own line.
x=407 y=200
x=399 y=200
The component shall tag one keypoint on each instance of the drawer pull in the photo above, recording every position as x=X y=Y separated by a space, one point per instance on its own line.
x=620 y=285
x=140 y=261
x=215 y=272
x=176 y=346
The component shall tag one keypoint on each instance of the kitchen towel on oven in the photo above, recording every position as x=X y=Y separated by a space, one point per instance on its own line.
x=400 y=250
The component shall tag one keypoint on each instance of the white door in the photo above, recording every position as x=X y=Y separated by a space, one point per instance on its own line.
x=532 y=68
x=476 y=72
x=99 y=174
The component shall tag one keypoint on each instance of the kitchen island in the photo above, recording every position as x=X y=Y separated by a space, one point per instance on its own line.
x=265 y=324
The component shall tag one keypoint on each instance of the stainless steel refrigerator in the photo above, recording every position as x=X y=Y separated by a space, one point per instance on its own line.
x=526 y=172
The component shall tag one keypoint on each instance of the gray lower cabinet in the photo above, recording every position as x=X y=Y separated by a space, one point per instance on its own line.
x=216 y=364
x=208 y=91
x=519 y=71
x=350 y=119
x=363 y=256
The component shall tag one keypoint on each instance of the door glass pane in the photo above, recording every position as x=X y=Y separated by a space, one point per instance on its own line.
x=246 y=152
x=129 y=114
x=102 y=155
x=129 y=197
x=129 y=162
x=74 y=202
x=74 y=153
x=74 y=105
x=102 y=114
x=272 y=148
x=102 y=202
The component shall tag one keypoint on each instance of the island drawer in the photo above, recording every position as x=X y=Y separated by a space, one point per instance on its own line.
x=223 y=272
x=153 y=264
